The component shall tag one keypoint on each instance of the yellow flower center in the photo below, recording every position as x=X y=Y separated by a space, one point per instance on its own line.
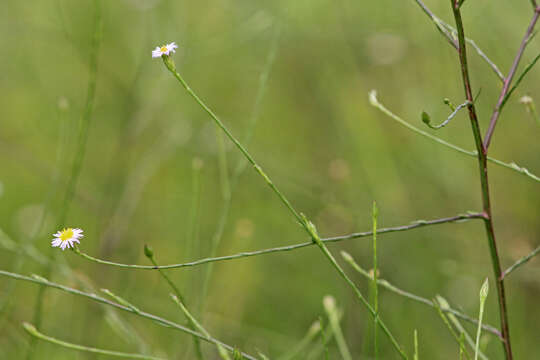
x=163 y=49
x=66 y=234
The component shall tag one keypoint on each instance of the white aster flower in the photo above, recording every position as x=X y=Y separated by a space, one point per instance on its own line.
x=164 y=50
x=66 y=238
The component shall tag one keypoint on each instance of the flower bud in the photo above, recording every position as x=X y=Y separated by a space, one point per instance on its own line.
x=148 y=251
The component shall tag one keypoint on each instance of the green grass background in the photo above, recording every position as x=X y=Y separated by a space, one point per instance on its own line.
x=317 y=137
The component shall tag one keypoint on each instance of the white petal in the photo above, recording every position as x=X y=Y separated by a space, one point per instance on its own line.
x=56 y=242
x=63 y=245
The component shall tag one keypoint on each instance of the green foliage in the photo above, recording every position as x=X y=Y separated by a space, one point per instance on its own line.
x=98 y=135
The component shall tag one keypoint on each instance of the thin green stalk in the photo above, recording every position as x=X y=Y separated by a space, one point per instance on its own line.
x=221 y=350
x=521 y=262
x=427 y=120
x=311 y=334
x=121 y=300
x=512 y=166
x=325 y=339
x=118 y=325
x=79 y=154
x=31 y=329
x=374 y=216
x=449 y=326
x=518 y=80
x=313 y=232
x=449 y=33
x=453 y=319
x=482 y=148
x=414 y=225
x=385 y=284
x=508 y=79
x=483 y=296
x=332 y=312
x=149 y=253
x=461 y=346
x=169 y=64
x=415 y=356
x=367 y=340
x=158 y=320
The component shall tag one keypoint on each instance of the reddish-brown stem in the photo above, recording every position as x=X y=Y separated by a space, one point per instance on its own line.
x=510 y=77
x=482 y=162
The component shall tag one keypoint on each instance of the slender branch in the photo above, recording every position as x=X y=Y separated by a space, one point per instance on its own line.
x=374 y=218
x=519 y=79
x=439 y=24
x=466 y=337
x=294 y=352
x=317 y=240
x=388 y=286
x=414 y=225
x=482 y=164
x=512 y=166
x=169 y=64
x=427 y=121
x=31 y=329
x=149 y=253
x=508 y=79
x=333 y=314
x=521 y=262
x=159 y=320
x=450 y=328
x=222 y=352
x=449 y=33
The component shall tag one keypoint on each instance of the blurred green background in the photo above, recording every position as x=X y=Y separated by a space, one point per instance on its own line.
x=317 y=137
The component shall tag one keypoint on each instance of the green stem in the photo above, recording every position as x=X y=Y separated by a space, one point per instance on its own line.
x=512 y=166
x=222 y=352
x=355 y=289
x=31 y=329
x=311 y=334
x=385 y=284
x=481 y=148
x=444 y=306
x=414 y=225
x=159 y=320
x=415 y=356
x=449 y=326
x=448 y=32
x=196 y=341
x=333 y=317
x=375 y=215
x=172 y=68
x=521 y=262
x=483 y=297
